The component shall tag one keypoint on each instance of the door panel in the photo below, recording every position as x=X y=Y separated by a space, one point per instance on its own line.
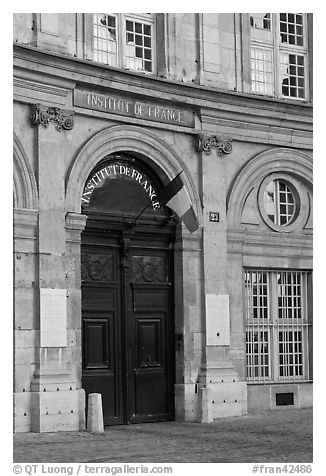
x=128 y=329
x=101 y=333
x=152 y=325
x=97 y=331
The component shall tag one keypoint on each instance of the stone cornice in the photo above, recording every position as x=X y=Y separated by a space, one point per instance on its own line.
x=97 y=75
x=251 y=238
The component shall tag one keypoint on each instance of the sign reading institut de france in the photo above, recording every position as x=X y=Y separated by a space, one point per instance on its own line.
x=120 y=170
x=127 y=107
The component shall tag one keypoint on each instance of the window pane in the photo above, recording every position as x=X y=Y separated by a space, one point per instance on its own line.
x=147 y=41
x=130 y=38
x=138 y=28
x=129 y=25
x=139 y=52
x=139 y=40
x=147 y=30
x=111 y=21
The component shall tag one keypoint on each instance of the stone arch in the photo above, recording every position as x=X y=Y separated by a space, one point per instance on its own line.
x=133 y=139
x=291 y=161
x=25 y=186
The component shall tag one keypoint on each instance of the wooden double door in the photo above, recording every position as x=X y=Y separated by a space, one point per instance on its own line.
x=128 y=325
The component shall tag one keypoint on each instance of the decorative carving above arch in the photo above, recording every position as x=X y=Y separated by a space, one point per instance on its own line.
x=129 y=139
x=25 y=187
x=279 y=160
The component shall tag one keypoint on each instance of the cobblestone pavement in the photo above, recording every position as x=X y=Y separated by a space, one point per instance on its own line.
x=279 y=436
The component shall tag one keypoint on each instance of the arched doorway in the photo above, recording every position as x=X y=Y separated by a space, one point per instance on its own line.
x=127 y=292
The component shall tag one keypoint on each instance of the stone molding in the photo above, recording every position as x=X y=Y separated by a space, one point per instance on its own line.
x=25 y=217
x=283 y=160
x=75 y=221
x=207 y=143
x=46 y=115
x=25 y=186
x=159 y=155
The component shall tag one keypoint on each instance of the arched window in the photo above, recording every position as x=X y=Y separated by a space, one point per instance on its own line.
x=280 y=203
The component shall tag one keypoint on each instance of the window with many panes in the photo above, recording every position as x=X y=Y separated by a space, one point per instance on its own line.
x=279 y=202
x=279 y=62
x=276 y=325
x=124 y=40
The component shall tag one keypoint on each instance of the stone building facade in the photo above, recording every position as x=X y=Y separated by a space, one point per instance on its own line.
x=119 y=299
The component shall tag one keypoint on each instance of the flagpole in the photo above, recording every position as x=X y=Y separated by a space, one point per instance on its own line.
x=132 y=223
x=178 y=175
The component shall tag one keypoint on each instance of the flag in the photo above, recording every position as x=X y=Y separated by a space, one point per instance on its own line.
x=176 y=197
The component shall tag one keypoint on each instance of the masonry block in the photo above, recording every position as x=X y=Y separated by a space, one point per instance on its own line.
x=220 y=400
x=22 y=414
x=25 y=304
x=305 y=391
x=186 y=402
x=56 y=411
x=22 y=377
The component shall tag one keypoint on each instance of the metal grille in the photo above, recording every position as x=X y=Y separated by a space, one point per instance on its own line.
x=276 y=325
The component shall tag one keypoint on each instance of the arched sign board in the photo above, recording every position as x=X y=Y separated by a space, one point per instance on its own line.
x=120 y=186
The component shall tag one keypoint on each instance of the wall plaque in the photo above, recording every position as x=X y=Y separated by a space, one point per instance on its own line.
x=114 y=104
x=217 y=319
x=53 y=317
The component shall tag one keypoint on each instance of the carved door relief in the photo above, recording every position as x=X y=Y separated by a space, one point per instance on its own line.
x=128 y=326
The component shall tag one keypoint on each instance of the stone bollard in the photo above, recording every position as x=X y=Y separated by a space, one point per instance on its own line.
x=95 y=413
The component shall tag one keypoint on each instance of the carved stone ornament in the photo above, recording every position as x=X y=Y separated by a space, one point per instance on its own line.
x=45 y=115
x=148 y=269
x=206 y=144
x=97 y=267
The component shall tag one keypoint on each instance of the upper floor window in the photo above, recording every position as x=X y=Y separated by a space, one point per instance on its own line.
x=261 y=20
x=124 y=40
x=279 y=54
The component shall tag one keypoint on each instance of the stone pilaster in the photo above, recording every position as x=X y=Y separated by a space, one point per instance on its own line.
x=220 y=392
x=188 y=311
x=55 y=395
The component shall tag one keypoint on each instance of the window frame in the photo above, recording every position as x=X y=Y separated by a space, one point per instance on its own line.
x=278 y=48
x=273 y=325
x=121 y=42
x=301 y=213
